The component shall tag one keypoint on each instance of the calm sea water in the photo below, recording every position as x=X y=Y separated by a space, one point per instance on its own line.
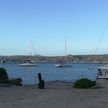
x=50 y=72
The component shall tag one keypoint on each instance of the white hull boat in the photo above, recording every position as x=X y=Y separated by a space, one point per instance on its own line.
x=62 y=65
x=28 y=64
x=103 y=72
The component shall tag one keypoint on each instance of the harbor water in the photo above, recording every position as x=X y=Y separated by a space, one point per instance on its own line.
x=50 y=72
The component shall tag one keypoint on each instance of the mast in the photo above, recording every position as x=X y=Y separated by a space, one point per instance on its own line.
x=30 y=55
x=30 y=51
x=65 y=45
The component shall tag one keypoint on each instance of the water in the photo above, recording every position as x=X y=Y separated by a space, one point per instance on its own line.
x=50 y=72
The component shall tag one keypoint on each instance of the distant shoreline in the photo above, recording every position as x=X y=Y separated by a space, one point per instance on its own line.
x=71 y=58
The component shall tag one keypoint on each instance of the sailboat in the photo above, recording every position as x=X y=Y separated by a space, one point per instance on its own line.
x=103 y=67
x=28 y=62
x=62 y=63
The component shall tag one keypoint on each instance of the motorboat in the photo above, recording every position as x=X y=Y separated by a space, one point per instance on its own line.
x=62 y=64
x=59 y=65
x=103 y=71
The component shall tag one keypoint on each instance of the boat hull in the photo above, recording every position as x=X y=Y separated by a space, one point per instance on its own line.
x=62 y=65
x=103 y=72
x=27 y=65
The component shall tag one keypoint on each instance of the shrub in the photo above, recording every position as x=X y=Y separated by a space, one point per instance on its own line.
x=4 y=78
x=84 y=83
x=3 y=75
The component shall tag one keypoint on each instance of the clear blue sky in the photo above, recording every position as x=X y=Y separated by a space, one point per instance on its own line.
x=45 y=22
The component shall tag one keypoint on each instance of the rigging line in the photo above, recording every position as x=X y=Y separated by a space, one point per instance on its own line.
x=33 y=47
x=106 y=50
x=102 y=36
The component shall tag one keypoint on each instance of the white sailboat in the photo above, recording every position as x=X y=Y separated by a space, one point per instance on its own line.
x=28 y=62
x=103 y=67
x=63 y=63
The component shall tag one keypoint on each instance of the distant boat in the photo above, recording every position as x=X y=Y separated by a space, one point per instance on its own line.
x=64 y=63
x=28 y=63
x=3 y=61
x=103 y=71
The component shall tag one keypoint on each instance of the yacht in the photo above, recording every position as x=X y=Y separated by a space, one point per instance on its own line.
x=64 y=63
x=103 y=71
x=28 y=63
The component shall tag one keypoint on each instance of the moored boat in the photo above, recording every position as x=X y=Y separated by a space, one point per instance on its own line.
x=62 y=64
x=28 y=63
x=103 y=72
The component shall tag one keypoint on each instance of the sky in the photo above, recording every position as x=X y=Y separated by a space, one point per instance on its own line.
x=46 y=22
